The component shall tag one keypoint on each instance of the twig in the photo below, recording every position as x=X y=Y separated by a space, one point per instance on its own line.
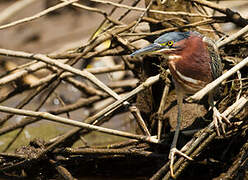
x=40 y=14
x=18 y=156
x=21 y=73
x=13 y=139
x=100 y=11
x=238 y=166
x=13 y=9
x=205 y=137
x=53 y=86
x=153 y=11
x=100 y=70
x=101 y=152
x=62 y=170
x=136 y=113
x=51 y=117
x=199 y=95
x=142 y=15
x=161 y=109
x=105 y=112
x=233 y=37
x=235 y=17
x=80 y=103
x=43 y=58
x=24 y=102
x=240 y=84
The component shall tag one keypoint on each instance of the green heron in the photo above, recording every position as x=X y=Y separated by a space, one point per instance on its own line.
x=194 y=61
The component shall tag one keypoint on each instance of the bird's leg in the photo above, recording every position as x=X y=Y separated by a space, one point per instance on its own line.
x=217 y=116
x=173 y=149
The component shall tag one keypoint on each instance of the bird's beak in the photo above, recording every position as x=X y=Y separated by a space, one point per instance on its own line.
x=151 y=49
x=147 y=50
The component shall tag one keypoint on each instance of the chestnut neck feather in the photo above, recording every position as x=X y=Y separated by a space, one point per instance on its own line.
x=194 y=61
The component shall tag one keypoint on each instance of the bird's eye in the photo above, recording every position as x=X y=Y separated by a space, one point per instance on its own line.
x=170 y=43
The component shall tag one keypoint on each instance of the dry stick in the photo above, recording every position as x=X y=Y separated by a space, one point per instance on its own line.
x=153 y=11
x=233 y=37
x=134 y=110
x=142 y=15
x=100 y=11
x=121 y=145
x=136 y=113
x=17 y=68
x=41 y=104
x=13 y=155
x=110 y=108
x=199 y=95
x=24 y=102
x=13 y=9
x=208 y=132
x=101 y=28
x=41 y=65
x=43 y=58
x=80 y=103
x=240 y=84
x=100 y=70
x=13 y=140
x=206 y=11
x=234 y=16
x=161 y=109
x=56 y=63
x=67 y=121
x=21 y=73
x=238 y=165
x=104 y=37
x=29 y=98
x=49 y=116
x=38 y=15
x=62 y=170
x=134 y=3
x=88 y=90
x=102 y=152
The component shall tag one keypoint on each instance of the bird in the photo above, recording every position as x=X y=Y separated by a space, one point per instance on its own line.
x=194 y=61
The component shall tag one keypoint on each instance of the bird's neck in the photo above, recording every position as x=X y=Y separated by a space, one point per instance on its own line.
x=192 y=60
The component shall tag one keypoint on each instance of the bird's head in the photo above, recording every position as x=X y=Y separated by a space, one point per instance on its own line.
x=167 y=44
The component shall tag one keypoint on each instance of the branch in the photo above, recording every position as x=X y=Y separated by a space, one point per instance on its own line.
x=38 y=15
x=13 y=9
x=235 y=17
x=104 y=113
x=233 y=37
x=67 y=121
x=199 y=143
x=151 y=10
x=53 y=62
x=199 y=95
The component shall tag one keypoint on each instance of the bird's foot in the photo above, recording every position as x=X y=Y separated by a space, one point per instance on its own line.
x=172 y=154
x=217 y=119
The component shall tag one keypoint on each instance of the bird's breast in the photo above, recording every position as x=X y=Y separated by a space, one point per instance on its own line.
x=184 y=75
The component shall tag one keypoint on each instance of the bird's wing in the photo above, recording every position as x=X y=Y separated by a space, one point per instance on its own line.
x=215 y=61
